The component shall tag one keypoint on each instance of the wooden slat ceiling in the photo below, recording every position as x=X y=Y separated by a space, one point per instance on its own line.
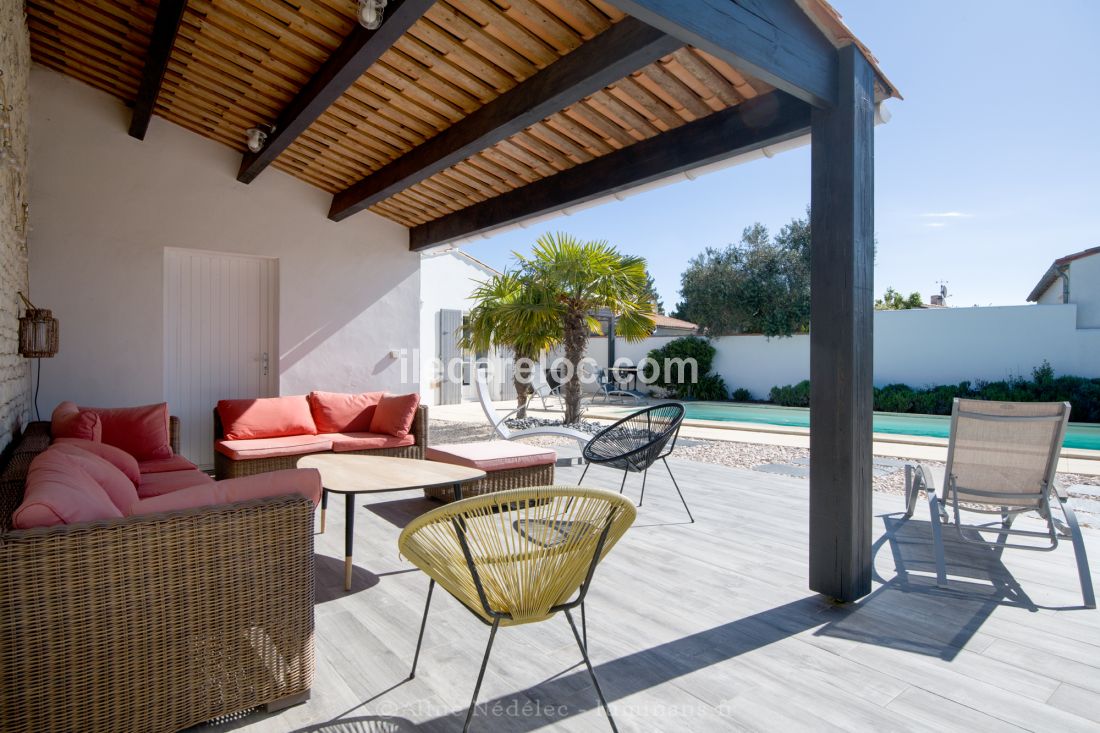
x=237 y=63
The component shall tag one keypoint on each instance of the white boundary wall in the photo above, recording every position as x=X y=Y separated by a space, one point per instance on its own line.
x=915 y=347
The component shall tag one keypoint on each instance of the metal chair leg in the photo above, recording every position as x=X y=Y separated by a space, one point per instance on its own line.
x=623 y=484
x=584 y=473
x=584 y=626
x=592 y=673
x=678 y=490
x=1087 y=594
x=481 y=675
x=937 y=537
x=423 y=625
x=642 y=497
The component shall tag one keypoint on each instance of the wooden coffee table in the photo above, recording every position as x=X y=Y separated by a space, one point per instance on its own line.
x=355 y=474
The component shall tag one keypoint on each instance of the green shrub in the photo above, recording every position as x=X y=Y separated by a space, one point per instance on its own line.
x=793 y=395
x=709 y=387
x=1082 y=393
x=685 y=348
x=742 y=395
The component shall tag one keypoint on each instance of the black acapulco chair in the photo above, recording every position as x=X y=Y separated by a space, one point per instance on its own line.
x=636 y=442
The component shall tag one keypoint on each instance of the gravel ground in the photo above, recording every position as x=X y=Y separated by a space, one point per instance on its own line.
x=721 y=452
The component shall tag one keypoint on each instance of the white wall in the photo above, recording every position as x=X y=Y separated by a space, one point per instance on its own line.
x=1084 y=290
x=106 y=206
x=918 y=348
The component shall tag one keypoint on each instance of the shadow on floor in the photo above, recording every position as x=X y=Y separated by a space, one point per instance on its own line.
x=400 y=512
x=364 y=724
x=910 y=612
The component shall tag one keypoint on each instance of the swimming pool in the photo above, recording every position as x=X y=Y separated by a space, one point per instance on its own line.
x=1078 y=435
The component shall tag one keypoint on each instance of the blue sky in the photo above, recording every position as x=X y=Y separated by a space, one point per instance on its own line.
x=998 y=128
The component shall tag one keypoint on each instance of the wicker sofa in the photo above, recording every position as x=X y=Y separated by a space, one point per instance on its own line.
x=152 y=623
x=229 y=467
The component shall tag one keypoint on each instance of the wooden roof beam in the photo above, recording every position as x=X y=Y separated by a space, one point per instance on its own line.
x=771 y=40
x=765 y=120
x=617 y=52
x=165 y=27
x=350 y=61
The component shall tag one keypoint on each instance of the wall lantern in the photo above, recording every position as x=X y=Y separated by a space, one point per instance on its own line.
x=37 y=332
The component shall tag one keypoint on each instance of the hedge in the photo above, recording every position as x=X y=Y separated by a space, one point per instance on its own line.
x=1082 y=393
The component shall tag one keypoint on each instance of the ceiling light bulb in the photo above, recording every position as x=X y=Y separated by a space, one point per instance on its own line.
x=370 y=13
x=256 y=139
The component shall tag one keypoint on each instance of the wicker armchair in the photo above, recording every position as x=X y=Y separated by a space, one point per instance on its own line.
x=152 y=623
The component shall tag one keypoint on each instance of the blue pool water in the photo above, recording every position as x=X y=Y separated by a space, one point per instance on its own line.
x=1078 y=435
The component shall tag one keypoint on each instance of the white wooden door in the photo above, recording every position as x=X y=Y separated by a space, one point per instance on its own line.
x=220 y=338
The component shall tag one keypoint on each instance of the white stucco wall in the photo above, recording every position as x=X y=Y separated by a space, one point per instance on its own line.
x=447 y=279
x=106 y=206
x=1084 y=290
x=918 y=348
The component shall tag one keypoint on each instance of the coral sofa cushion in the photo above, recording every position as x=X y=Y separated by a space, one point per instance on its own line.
x=140 y=431
x=119 y=488
x=155 y=484
x=394 y=415
x=344 y=442
x=336 y=412
x=304 y=481
x=117 y=457
x=166 y=465
x=59 y=491
x=69 y=421
x=268 y=417
x=493 y=455
x=287 y=445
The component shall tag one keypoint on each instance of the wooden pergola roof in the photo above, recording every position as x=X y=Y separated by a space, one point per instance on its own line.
x=457 y=117
x=450 y=104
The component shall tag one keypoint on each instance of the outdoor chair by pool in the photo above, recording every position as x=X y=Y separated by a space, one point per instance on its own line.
x=517 y=557
x=500 y=426
x=636 y=442
x=1001 y=461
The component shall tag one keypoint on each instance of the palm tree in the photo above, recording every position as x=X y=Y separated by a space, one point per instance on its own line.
x=491 y=324
x=566 y=282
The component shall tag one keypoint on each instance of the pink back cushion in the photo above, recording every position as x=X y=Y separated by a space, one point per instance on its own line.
x=336 y=412
x=60 y=491
x=269 y=417
x=394 y=415
x=120 y=489
x=304 y=481
x=69 y=421
x=140 y=431
x=117 y=457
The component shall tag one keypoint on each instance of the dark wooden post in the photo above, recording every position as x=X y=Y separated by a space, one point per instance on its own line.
x=842 y=306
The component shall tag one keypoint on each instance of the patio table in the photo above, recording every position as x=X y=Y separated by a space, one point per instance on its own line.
x=357 y=474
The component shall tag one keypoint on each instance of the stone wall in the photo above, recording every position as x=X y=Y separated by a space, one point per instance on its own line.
x=14 y=73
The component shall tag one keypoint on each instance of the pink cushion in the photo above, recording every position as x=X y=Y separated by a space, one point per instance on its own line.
x=394 y=415
x=336 y=412
x=492 y=455
x=344 y=442
x=69 y=421
x=117 y=457
x=119 y=488
x=306 y=481
x=290 y=445
x=59 y=491
x=140 y=431
x=155 y=484
x=164 y=465
x=269 y=417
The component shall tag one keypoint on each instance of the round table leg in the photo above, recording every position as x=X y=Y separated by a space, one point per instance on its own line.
x=349 y=530
x=324 y=508
x=457 y=489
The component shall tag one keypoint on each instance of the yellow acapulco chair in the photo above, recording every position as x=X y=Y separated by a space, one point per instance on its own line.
x=517 y=557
